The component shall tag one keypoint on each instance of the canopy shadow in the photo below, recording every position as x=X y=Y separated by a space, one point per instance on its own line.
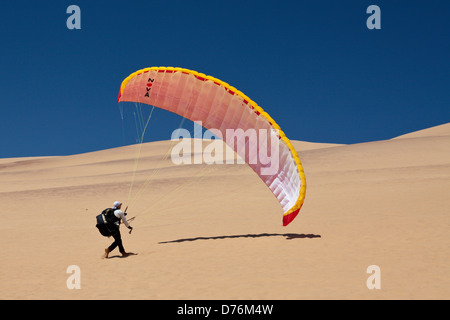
x=288 y=236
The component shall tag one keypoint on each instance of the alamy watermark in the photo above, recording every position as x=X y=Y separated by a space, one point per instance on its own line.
x=374 y=20
x=74 y=20
x=74 y=280
x=258 y=147
x=374 y=280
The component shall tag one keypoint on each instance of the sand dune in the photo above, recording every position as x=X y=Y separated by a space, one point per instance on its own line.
x=438 y=131
x=214 y=231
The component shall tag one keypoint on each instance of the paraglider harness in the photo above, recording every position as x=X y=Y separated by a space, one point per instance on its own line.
x=106 y=222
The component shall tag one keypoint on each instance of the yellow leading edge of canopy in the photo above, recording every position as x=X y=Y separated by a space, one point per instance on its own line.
x=301 y=197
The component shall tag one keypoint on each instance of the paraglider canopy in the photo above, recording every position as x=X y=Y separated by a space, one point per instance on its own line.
x=221 y=107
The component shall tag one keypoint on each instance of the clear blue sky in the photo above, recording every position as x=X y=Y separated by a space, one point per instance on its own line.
x=314 y=66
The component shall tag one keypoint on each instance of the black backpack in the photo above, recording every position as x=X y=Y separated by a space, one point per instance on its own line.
x=104 y=220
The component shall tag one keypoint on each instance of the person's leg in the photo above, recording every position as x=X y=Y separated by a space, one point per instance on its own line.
x=115 y=233
x=117 y=242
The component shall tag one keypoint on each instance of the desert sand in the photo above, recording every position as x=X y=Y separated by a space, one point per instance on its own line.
x=215 y=231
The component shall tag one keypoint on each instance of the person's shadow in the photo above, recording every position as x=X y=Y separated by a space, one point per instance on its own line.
x=123 y=257
x=288 y=236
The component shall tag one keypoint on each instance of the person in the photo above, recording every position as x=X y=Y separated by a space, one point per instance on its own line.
x=114 y=227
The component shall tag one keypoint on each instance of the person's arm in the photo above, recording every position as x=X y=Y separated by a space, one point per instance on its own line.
x=122 y=216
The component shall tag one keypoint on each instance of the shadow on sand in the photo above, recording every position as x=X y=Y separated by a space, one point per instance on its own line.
x=122 y=257
x=288 y=236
